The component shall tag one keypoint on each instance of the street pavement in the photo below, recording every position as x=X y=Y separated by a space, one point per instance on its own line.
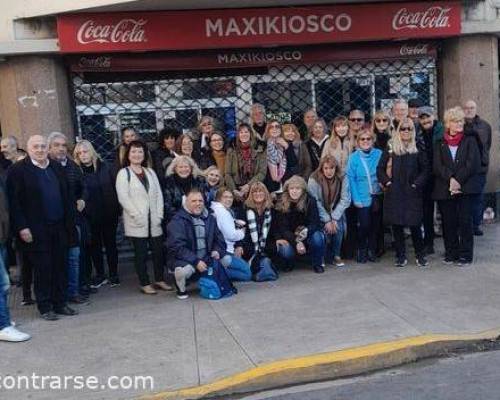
x=466 y=377
x=192 y=342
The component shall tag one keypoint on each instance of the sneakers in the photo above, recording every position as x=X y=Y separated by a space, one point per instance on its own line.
x=11 y=334
x=50 y=316
x=449 y=260
x=114 y=281
x=319 y=269
x=338 y=261
x=66 y=310
x=98 y=282
x=182 y=295
x=401 y=262
x=79 y=300
x=478 y=232
x=422 y=262
x=463 y=262
x=27 y=302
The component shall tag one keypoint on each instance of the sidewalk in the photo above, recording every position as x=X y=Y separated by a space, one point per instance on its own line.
x=193 y=342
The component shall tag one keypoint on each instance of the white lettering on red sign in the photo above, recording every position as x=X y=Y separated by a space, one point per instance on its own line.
x=127 y=30
x=414 y=50
x=295 y=24
x=432 y=18
x=259 y=57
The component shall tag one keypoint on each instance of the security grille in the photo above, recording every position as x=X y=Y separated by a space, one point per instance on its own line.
x=103 y=108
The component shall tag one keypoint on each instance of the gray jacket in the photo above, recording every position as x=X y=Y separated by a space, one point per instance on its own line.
x=338 y=210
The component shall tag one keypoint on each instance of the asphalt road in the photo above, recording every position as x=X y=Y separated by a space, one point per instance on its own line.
x=465 y=377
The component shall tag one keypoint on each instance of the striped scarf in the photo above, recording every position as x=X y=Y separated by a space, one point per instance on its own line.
x=276 y=160
x=258 y=242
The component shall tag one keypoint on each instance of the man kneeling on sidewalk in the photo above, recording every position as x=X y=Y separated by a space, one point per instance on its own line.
x=192 y=239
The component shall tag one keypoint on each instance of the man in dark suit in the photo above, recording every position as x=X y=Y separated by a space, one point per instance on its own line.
x=43 y=219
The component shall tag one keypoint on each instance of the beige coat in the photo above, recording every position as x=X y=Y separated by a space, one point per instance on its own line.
x=341 y=153
x=137 y=203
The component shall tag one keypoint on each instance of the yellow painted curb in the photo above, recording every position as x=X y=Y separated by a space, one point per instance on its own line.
x=406 y=348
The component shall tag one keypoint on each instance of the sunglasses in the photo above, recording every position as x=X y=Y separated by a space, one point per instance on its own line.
x=365 y=139
x=382 y=120
x=356 y=119
x=405 y=129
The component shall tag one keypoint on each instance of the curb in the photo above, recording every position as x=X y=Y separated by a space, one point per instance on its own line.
x=332 y=365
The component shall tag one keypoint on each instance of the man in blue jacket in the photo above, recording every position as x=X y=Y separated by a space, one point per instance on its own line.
x=192 y=240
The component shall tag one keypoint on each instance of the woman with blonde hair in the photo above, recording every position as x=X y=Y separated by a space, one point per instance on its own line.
x=329 y=186
x=297 y=226
x=381 y=128
x=276 y=156
x=214 y=179
x=403 y=173
x=102 y=211
x=341 y=144
x=182 y=175
x=257 y=245
x=298 y=158
x=317 y=141
x=456 y=162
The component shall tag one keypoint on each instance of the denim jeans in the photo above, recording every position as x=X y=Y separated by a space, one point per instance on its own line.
x=73 y=271
x=334 y=241
x=315 y=245
x=477 y=203
x=237 y=268
x=4 y=289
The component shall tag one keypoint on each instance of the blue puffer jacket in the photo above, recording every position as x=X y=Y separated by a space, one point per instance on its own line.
x=358 y=178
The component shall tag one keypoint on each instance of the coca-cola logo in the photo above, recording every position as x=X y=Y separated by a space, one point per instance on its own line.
x=433 y=18
x=414 y=50
x=95 y=62
x=127 y=30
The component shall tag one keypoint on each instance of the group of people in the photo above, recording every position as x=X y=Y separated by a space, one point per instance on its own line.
x=255 y=203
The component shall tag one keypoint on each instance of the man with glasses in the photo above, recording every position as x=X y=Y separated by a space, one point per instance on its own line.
x=482 y=130
x=356 y=123
x=431 y=131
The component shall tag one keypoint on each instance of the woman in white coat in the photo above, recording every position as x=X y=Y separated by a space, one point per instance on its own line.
x=141 y=198
x=233 y=231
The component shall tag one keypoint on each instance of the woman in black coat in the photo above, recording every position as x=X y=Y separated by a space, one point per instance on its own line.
x=297 y=227
x=182 y=176
x=102 y=211
x=164 y=154
x=456 y=162
x=403 y=172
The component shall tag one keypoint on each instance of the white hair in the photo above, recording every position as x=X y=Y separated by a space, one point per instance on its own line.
x=55 y=135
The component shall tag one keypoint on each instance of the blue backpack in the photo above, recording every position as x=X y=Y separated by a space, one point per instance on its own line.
x=214 y=283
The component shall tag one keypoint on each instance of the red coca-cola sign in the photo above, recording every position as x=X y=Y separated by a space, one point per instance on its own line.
x=127 y=30
x=236 y=28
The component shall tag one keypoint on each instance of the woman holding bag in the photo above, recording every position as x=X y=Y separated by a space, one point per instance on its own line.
x=140 y=196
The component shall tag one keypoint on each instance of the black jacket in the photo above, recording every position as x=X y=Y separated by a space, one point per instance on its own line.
x=181 y=240
x=482 y=131
x=467 y=164
x=25 y=199
x=161 y=160
x=403 y=197
x=285 y=224
x=102 y=203
x=173 y=192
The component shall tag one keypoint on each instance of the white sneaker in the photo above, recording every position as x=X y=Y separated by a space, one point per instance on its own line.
x=11 y=334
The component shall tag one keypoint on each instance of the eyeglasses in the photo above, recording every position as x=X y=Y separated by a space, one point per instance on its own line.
x=356 y=119
x=382 y=120
x=405 y=129
x=365 y=139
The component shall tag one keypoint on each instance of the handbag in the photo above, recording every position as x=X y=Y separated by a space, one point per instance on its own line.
x=214 y=283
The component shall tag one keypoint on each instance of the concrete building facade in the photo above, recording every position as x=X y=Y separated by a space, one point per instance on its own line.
x=56 y=73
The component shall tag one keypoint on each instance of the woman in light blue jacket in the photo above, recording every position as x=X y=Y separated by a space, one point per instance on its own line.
x=366 y=195
x=329 y=186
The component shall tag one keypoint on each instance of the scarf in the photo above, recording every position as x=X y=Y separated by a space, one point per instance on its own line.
x=220 y=160
x=245 y=156
x=259 y=241
x=276 y=160
x=330 y=188
x=453 y=140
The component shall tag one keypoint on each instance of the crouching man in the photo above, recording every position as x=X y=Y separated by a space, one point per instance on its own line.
x=192 y=240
